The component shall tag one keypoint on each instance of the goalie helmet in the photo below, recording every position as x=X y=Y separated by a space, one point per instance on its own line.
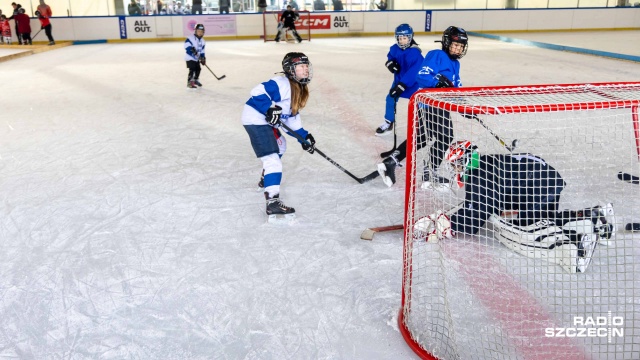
x=404 y=30
x=462 y=156
x=291 y=61
x=455 y=34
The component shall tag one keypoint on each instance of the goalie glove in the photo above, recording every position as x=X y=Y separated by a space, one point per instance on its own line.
x=393 y=66
x=308 y=145
x=273 y=115
x=397 y=90
x=443 y=82
x=433 y=228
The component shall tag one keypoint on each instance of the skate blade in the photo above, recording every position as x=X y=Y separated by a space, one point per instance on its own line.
x=382 y=170
x=282 y=219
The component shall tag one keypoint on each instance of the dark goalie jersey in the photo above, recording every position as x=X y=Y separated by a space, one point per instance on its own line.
x=521 y=182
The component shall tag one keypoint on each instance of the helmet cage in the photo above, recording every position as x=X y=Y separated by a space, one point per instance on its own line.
x=289 y=64
x=455 y=34
x=404 y=30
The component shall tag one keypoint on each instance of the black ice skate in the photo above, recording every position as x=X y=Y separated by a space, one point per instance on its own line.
x=277 y=211
x=385 y=128
x=432 y=181
x=197 y=82
x=191 y=84
x=387 y=169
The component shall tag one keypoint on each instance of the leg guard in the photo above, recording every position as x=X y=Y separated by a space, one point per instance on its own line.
x=545 y=240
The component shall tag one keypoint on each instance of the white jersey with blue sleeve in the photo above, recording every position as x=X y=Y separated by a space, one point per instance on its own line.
x=193 y=45
x=276 y=91
x=436 y=63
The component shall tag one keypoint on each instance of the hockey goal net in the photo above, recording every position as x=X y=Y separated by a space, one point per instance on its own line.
x=270 y=20
x=473 y=296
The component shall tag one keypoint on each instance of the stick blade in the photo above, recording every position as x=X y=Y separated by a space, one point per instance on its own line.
x=367 y=234
x=221 y=77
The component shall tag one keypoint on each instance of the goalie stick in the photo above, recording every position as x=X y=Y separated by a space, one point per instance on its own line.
x=629 y=178
x=361 y=180
x=219 y=78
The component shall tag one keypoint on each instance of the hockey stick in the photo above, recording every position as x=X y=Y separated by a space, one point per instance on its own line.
x=219 y=78
x=511 y=147
x=34 y=36
x=367 y=234
x=362 y=180
x=629 y=178
x=388 y=153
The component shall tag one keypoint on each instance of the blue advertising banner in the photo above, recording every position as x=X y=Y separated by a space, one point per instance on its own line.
x=123 y=27
x=427 y=23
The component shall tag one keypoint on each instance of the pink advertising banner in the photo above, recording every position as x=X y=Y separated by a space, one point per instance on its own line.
x=213 y=24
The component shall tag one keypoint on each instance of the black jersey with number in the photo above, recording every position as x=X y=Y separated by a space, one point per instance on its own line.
x=521 y=182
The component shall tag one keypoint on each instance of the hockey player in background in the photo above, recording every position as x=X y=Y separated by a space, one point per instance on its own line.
x=46 y=25
x=440 y=69
x=5 y=29
x=272 y=103
x=527 y=184
x=287 y=21
x=403 y=60
x=24 y=26
x=194 y=47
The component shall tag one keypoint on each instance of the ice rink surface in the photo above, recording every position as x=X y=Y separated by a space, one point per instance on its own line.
x=130 y=224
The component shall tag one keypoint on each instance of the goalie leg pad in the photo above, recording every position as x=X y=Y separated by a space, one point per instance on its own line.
x=433 y=227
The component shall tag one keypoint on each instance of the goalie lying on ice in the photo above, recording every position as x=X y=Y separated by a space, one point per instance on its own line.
x=527 y=184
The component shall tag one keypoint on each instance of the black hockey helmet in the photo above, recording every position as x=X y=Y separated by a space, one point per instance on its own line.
x=198 y=27
x=455 y=34
x=289 y=63
x=37 y=13
x=21 y=10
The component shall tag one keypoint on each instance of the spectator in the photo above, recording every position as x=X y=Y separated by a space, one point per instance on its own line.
x=319 y=5
x=337 y=5
x=46 y=25
x=179 y=10
x=5 y=29
x=134 y=8
x=187 y=9
x=382 y=6
x=171 y=8
x=24 y=26
x=16 y=8
x=294 y=5
x=262 y=6
x=197 y=7
x=159 y=7
x=237 y=6
x=224 y=6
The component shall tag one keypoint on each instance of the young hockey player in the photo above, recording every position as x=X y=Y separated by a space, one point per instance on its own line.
x=287 y=20
x=403 y=60
x=440 y=69
x=24 y=26
x=194 y=46
x=272 y=103
x=527 y=184
x=46 y=25
x=5 y=29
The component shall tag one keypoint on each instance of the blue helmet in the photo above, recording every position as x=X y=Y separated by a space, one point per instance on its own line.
x=404 y=30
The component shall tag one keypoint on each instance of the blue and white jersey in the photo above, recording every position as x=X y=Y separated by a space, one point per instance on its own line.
x=438 y=62
x=276 y=91
x=193 y=42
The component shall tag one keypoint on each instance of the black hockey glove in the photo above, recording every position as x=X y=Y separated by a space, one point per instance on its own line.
x=203 y=61
x=393 y=66
x=308 y=145
x=443 y=82
x=273 y=115
x=397 y=90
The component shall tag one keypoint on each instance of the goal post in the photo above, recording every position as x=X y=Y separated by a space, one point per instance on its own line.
x=270 y=20
x=480 y=295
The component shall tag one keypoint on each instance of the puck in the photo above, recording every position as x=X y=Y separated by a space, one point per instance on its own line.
x=632 y=227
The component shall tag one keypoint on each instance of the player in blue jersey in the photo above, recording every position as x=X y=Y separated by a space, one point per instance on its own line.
x=194 y=56
x=272 y=103
x=403 y=60
x=440 y=69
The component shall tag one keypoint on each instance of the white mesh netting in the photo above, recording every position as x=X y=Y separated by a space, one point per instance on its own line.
x=473 y=296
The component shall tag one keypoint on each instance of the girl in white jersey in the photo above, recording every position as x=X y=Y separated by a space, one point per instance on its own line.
x=272 y=103
x=194 y=48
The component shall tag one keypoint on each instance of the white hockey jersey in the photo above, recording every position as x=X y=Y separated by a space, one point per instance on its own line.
x=192 y=42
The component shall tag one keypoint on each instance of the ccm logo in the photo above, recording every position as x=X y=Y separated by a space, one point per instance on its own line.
x=314 y=22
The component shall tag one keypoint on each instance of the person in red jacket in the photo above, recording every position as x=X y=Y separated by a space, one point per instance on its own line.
x=5 y=29
x=24 y=26
x=46 y=25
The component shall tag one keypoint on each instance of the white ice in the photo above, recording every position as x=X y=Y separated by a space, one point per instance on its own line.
x=130 y=225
